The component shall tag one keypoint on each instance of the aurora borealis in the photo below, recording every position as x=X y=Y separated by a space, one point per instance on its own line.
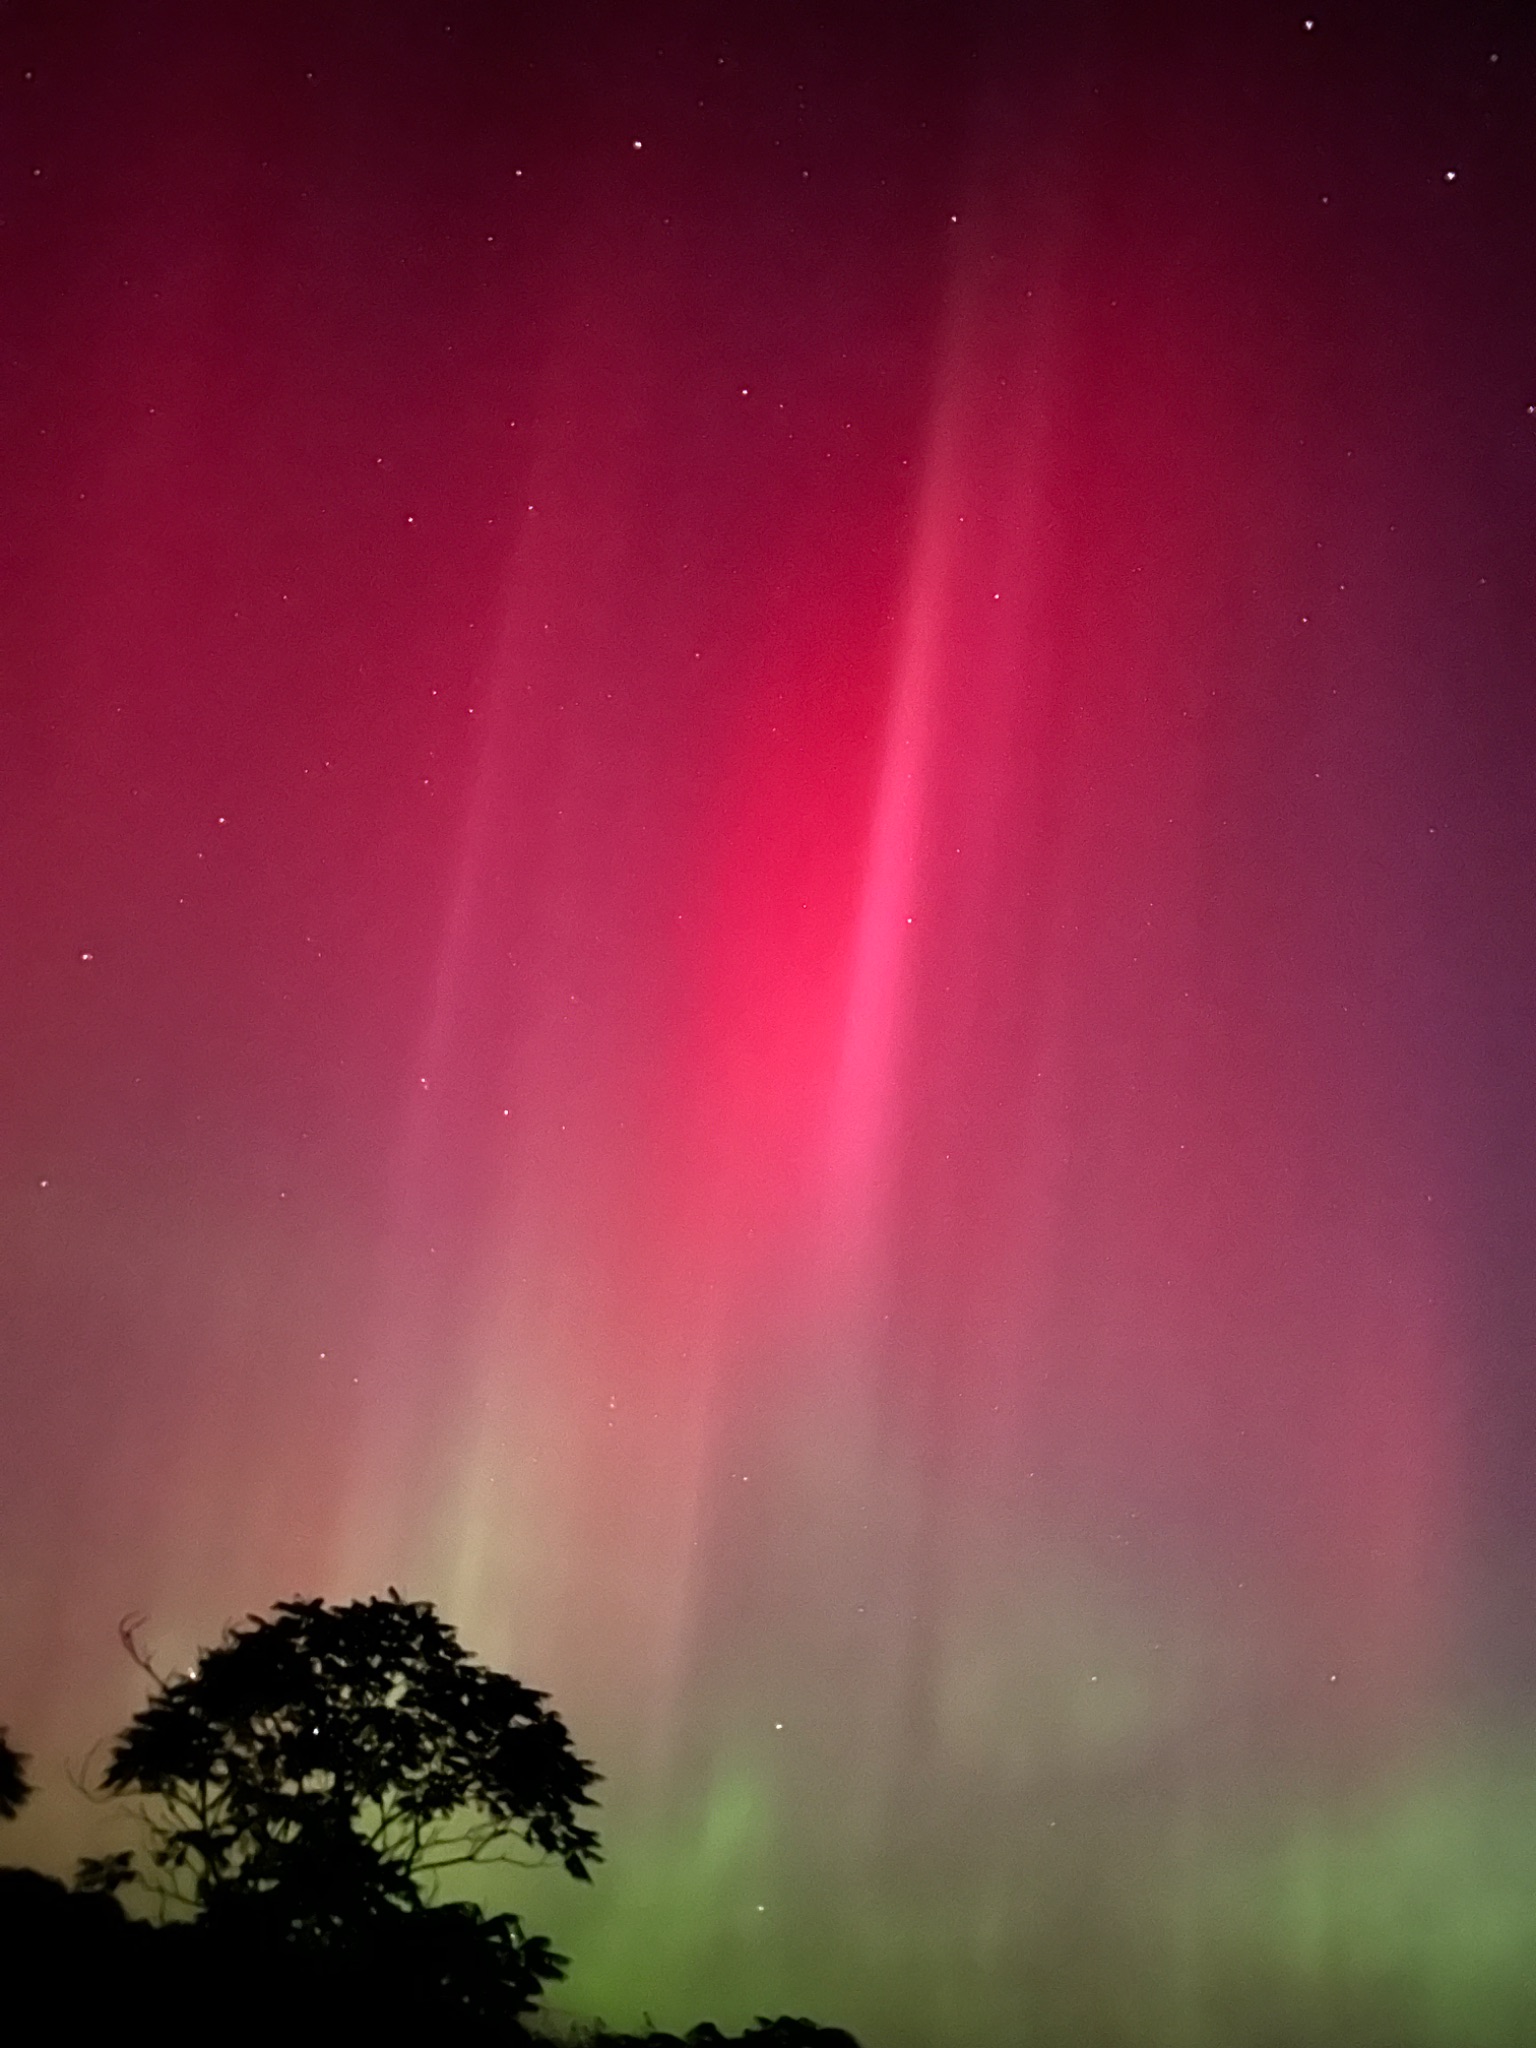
x=767 y=909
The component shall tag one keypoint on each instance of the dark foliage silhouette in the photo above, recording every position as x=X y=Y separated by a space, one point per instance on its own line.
x=783 y=2032
x=15 y=1791
x=301 y=1786
x=360 y=1738
x=75 y=1938
x=306 y=1780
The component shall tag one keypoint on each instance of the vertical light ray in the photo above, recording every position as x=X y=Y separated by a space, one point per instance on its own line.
x=867 y=1074
x=381 y=1510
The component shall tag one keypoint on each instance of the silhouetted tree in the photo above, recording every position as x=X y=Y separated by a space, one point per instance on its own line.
x=15 y=1791
x=302 y=1784
x=314 y=1770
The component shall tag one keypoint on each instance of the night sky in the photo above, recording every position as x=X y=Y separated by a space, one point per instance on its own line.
x=768 y=909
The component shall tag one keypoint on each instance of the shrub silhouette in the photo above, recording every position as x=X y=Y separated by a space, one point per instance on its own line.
x=76 y=1939
x=783 y=2032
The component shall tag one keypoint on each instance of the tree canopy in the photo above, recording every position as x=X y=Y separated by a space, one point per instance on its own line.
x=301 y=1786
x=361 y=1732
x=308 y=1777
